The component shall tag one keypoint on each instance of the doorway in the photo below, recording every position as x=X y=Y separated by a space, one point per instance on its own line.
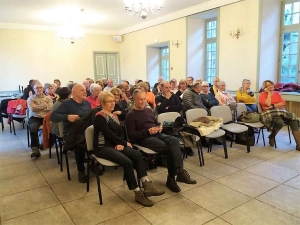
x=107 y=66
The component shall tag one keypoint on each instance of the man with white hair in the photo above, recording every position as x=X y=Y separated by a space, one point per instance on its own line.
x=110 y=85
x=207 y=98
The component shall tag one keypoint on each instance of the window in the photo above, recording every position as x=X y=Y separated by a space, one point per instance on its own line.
x=211 y=50
x=165 y=63
x=289 y=59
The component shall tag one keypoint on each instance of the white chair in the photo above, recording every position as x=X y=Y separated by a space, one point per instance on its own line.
x=233 y=128
x=169 y=116
x=241 y=107
x=89 y=136
x=193 y=114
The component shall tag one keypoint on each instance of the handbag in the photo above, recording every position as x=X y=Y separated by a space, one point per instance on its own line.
x=232 y=106
x=250 y=117
x=241 y=138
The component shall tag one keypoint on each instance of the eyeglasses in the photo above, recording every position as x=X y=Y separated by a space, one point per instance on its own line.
x=111 y=102
x=204 y=86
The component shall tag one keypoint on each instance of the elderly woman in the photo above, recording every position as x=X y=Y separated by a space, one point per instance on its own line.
x=246 y=96
x=49 y=91
x=214 y=88
x=182 y=88
x=118 y=150
x=149 y=95
x=223 y=96
x=273 y=105
x=119 y=111
x=95 y=90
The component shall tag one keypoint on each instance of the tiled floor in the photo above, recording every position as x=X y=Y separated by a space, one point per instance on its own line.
x=262 y=187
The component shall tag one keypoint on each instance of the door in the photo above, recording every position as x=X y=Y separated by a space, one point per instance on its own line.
x=106 y=66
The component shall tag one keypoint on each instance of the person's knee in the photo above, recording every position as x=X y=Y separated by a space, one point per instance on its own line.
x=278 y=123
x=127 y=163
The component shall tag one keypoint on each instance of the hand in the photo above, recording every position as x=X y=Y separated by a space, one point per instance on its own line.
x=153 y=130
x=117 y=113
x=167 y=107
x=168 y=95
x=266 y=90
x=129 y=144
x=119 y=147
x=30 y=93
x=73 y=118
x=160 y=128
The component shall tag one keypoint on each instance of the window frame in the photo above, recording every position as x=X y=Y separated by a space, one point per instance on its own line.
x=164 y=57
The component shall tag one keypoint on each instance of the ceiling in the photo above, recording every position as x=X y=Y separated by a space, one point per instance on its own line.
x=108 y=15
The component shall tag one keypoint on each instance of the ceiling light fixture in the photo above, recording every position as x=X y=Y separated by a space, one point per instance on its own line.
x=143 y=8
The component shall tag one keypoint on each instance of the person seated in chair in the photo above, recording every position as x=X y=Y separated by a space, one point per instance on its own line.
x=214 y=88
x=118 y=150
x=39 y=105
x=191 y=98
x=149 y=95
x=246 y=96
x=207 y=98
x=118 y=110
x=182 y=88
x=143 y=128
x=95 y=90
x=167 y=101
x=223 y=96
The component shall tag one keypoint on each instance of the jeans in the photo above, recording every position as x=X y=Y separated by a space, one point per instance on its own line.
x=169 y=144
x=129 y=159
x=251 y=107
x=34 y=124
x=79 y=152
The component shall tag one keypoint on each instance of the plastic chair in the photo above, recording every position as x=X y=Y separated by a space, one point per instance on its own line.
x=26 y=120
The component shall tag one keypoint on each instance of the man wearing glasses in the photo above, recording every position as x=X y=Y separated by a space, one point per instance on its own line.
x=207 y=97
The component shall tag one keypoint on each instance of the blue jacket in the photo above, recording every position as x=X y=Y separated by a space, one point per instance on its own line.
x=209 y=100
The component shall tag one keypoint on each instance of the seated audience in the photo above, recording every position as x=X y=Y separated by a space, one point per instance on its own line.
x=130 y=103
x=175 y=83
x=143 y=128
x=199 y=81
x=271 y=100
x=127 y=88
x=104 y=82
x=95 y=90
x=91 y=81
x=214 y=88
x=173 y=87
x=246 y=96
x=119 y=111
x=64 y=94
x=124 y=99
x=182 y=89
x=28 y=91
x=110 y=85
x=223 y=96
x=99 y=82
x=157 y=90
x=49 y=91
x=118 y=150
x=149 y=95
x=207 y=98
x=69 y=112
x=159 y=80
x=136 y=81
x=58 y=85
x=167 y=101
x=191 y=98
x=87 y=85
x=190 y=82
x=39 y=105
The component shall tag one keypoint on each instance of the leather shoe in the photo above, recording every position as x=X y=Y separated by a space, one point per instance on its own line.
x=189 y=151
x=82 y=177
x=184 y=177
x=172 y=184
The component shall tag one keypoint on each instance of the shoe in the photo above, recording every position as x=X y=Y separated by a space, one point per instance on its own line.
x=272 y=136
x=204 y=142
x=82 y=177
x=216 y=142
x=142 y=199
x=184 y=177
x=296 y=134
x=35 y=152
x=189 y=151
x=172 y=184
x=151 y=190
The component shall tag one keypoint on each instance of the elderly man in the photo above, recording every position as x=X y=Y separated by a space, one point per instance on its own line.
x=69 y=112
x=143 y=128
x=207 y=98
x=127 y=88
x=39 y=105
x=191 y=98
x=190 y=81
x=87 y=85
x=167 y=101
x=110 y=85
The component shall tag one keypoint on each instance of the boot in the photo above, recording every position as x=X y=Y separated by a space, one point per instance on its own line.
x=272 y=136
x=172 y=184
x=35 y=152
x=184 y=177
x=142 y=199
x=151 y=190
x=82 y=177
x=296 y=134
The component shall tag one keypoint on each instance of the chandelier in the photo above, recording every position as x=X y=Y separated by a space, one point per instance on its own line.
x=70 y=33
x=143 y=8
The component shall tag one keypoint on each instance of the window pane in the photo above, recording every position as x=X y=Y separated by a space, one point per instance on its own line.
x=285 y=60
x=213 y=55
x=214 y=24
x=285 y=49
x=214 y=47
x=208 y=25
x=294 y=37
x=284 y=71
x=293 y=60
x=208 y=64
x=288 y=9
x=208 y=47
x=292 y=71
x=208 y=73
x=213 y=63
x=295 y=18
x=296 y=7
x=208 y=56
x=208 y=34
x=291 y=80
x=287 y=19
x=213 y=33
x=293 y=48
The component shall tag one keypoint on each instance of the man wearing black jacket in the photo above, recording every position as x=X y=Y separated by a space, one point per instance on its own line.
x=167 y=101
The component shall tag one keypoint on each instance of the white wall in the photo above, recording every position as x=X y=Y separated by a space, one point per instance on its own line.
x=38 y=54
x=153 y=64
x=196 y=48
x=270 y=39
x=238 y=59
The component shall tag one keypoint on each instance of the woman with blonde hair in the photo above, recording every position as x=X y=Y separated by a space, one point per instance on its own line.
x=246 y=96
x=119 y=111
x=149 y=95
x=182 y=88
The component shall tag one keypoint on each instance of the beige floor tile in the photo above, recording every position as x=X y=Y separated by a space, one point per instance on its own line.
x=290 y=160
x=54 y=176
x=217 y=221
x=255 y=212
x=27 y=202
x=44 y=163
x=213 y=169
x=113 y=178
x=16 y=158
x=176 y=210
x=21 y=183
x=72 y=190
x=239 y=160
x=248 y=183
x=284 y=198
x=162 y=178
x=127 y=219
x=274 y=172
x=11 y=148
x=216 y=197
x=295 y=182
x=262 y=153
x=158 y=170
x=88 y=211
x=15 y=170
x=55 y=215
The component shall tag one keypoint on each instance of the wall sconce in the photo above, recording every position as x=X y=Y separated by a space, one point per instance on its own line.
x=176 y=44
x=236 y=33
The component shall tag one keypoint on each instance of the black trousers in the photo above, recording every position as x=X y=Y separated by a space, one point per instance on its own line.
x=129 y=159
x=169 y=144
x=34 y=124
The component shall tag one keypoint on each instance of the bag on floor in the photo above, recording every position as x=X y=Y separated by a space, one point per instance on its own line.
x=241 y=138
